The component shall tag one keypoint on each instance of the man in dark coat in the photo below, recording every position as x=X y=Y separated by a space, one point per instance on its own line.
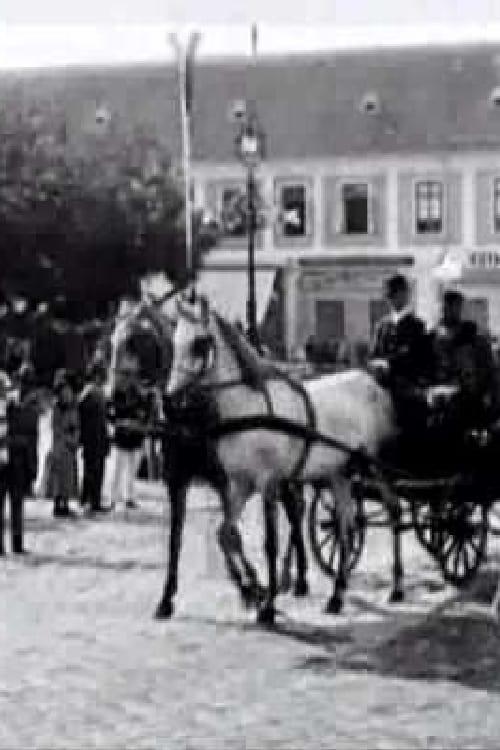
x=400 y=355
x=18 y=462
x=94 y=438
x=399 y=349
x=463 y=358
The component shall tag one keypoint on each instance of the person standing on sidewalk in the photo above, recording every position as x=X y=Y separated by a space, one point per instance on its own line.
x=65 y=441
x=94 y=438
x=130 y=414
x=4 y=457
x=23 y=413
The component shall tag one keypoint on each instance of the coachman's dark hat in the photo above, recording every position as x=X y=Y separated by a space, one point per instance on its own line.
x=453 y=296
x=395 y=284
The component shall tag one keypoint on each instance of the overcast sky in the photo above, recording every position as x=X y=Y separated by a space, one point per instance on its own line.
x=55 y=32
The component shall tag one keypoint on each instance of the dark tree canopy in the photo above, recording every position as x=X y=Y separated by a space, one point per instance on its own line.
x=87 y=227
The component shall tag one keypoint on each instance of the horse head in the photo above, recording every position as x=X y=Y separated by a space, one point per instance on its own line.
x=193 y=342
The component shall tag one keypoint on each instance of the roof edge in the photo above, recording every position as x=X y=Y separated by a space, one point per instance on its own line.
x=263 y=60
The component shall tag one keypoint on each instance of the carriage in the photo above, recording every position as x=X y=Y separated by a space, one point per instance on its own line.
x=447 y=503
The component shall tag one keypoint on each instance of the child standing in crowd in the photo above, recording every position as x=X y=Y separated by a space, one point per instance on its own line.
x=129 y=412
x=65 y=440
x=94 y=437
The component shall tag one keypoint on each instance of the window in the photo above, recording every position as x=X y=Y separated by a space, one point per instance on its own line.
x=293 y=210
x=232 y=213
x=429 y=206
x=355 y=208
x=496 y=204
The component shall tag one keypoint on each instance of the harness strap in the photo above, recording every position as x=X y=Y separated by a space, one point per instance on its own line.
x=311 y=425
x=298 y=430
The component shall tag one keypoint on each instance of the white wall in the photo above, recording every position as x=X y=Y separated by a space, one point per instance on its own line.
x=426 y=257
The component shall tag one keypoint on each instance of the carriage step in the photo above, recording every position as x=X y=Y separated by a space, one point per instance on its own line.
x=419 y=486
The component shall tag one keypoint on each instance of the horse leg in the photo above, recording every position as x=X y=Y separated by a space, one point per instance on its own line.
x=346 y=510
x=393 y=506
x=286 y=569
x=230 y=541
x=294 y=505
x=268 y=612
x=245 y=578
x=397 y=593
x=178 y=492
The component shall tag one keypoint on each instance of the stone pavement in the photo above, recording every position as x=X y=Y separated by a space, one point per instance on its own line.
x=84 y=665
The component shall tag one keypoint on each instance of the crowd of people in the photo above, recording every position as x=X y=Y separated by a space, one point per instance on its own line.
x=70 y=385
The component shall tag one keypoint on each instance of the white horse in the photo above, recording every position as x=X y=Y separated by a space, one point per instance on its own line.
x=350 y=407
x=184 y=461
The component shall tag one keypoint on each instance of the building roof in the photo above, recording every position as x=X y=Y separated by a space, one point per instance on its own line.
x=308 y=105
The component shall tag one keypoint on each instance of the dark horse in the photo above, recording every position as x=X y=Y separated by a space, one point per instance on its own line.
x=188 y=456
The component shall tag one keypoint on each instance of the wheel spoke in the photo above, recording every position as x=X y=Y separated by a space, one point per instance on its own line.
x=466 y=560
x=454 y=543
x=332 y=555
x=325 y=540
x=328 y=506
x=456 y=561
x=445 y=549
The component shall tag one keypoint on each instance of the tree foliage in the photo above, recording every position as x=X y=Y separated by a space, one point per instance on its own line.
x=88 y=225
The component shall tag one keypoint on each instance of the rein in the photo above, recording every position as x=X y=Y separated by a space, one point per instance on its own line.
x=309 y=434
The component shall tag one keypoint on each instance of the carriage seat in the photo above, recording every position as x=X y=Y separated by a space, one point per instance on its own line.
x=439 y=396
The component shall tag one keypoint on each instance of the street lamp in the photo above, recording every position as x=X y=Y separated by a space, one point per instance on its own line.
x=249 y=145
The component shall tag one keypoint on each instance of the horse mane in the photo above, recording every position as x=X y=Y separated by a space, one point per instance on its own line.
x=254 y=368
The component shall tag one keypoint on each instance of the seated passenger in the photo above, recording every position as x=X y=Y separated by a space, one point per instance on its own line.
x=463 y=361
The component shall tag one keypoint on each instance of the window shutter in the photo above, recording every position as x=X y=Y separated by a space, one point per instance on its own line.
x=278 y=209
x=309 y=212
x=339 y=217
x=372 y=210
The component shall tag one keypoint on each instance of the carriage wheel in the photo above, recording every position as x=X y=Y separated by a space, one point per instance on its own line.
x=324 y=531
x=427 y=521
x=463 y=540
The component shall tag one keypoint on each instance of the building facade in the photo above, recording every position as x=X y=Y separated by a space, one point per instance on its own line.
x=376 y=161
x=344 y=224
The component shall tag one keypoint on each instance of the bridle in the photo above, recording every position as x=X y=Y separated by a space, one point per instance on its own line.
x=208 y=355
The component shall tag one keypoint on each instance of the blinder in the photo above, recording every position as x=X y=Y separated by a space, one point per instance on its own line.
x=203 y=348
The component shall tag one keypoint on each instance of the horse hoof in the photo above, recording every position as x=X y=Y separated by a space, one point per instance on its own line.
x=248 y=597
x=396 y=597
x=259 y=593
x=301 y=589
x=164 y=610
x=334 y=605
x=285 y=583
x=266 y=616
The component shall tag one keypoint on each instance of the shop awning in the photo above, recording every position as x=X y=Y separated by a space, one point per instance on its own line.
x=227 y=291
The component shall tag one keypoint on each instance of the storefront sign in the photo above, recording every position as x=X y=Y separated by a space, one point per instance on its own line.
x=484 y=259
x=322 y=282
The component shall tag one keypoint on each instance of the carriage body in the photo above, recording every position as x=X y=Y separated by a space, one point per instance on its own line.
x=446 y=500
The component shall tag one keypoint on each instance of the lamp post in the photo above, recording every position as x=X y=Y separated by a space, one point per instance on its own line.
x=249 y=143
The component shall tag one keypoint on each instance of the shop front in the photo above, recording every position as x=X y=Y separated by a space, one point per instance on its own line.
x=340 y=300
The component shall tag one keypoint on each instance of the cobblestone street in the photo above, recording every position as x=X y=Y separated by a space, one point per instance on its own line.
x=85 y=665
